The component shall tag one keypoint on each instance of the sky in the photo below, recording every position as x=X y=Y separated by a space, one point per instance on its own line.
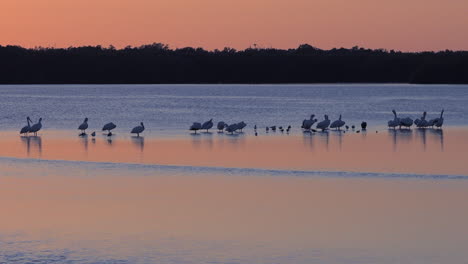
x=407 y=25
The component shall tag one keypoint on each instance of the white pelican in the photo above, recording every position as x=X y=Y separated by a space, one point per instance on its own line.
x=36 y=127
x=84 y=126
x=109 y=127
x=138 y=129
x=422 y=123
x=395 y=122
x=25 y=129
x=241 y=125
x=221 y=125
x=232 y=128
x=338 y=123
x=207 y=125
x=195 y=127
x=406 y=122
x=440 y=120
x=308 y=123
x=324 y=124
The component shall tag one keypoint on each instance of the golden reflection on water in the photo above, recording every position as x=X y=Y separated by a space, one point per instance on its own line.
x=428 y=151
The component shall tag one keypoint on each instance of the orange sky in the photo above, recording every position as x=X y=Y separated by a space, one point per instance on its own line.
x=408 y=25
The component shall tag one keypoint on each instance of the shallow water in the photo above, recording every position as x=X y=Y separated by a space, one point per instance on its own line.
x=170 y=109
x=379 y=196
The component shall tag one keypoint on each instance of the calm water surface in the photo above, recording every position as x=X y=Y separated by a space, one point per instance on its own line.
x=172 y=197
x=170 y=109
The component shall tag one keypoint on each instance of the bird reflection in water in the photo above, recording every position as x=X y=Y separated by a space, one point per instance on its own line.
x=421 y=133
x=84 y=141
x=400 y=135
x=33 y=144
x=325 y=137
x=339 y=135
x=308 y=139
x=438 y=135
x=139 y=142
x=204 y=139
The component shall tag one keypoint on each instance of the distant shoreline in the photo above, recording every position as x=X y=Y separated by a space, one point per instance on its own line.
x=157 y=64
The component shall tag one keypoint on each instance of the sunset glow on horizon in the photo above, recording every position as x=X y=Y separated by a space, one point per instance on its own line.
x=213 y=24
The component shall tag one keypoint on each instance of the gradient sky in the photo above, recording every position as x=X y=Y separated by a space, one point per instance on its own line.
x=408 y=25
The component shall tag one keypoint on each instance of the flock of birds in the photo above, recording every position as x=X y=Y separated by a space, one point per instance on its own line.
x=82 y=127
x=407 y=122
x=307 y=125
x=325 y=124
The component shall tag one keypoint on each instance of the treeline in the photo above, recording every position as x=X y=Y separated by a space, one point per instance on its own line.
x=157 y=63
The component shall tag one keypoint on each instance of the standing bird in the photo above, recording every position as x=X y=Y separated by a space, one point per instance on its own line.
x=207 y=125
x=241 y=125
x=395 y=122
x=195 y=127
x=221 y=126
x=36 y=127
x=83 y=126
x=288 y=129
x=108 y=127
x=138 y=129
x=273 y=128
x=266 y=129
x=232 y=128
x=364 y=125
x=25 y=129
x=338 y=123
x=93 y=134
x=422 y=123
x=440 y=120
x=406 y=122
x=324 y=124
x=308 y=123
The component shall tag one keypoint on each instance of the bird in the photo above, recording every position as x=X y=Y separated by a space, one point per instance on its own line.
x=353 y=127
x=207 y=125
x=36 y=127
x=195 y=127
x=84 y=126
x=255 y=127
x=422 y=123
x=109 y=127
x=25 y=129
x=241 y=125
x=406 y=122
x=273 y=128
x=347 y=127
x=93 y=134
x=364 y=125
x=281 y=129
x=288 y=129
x=395 y=122
x=337 y=124
x=308 y=123
x=324 y=123
x=138 y=129
x=221 y=126
x=266 y=129
x=232 y=128
x=440 y=120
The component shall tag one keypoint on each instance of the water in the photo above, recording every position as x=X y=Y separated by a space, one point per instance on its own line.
x=387 y=197
x=170 y=109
